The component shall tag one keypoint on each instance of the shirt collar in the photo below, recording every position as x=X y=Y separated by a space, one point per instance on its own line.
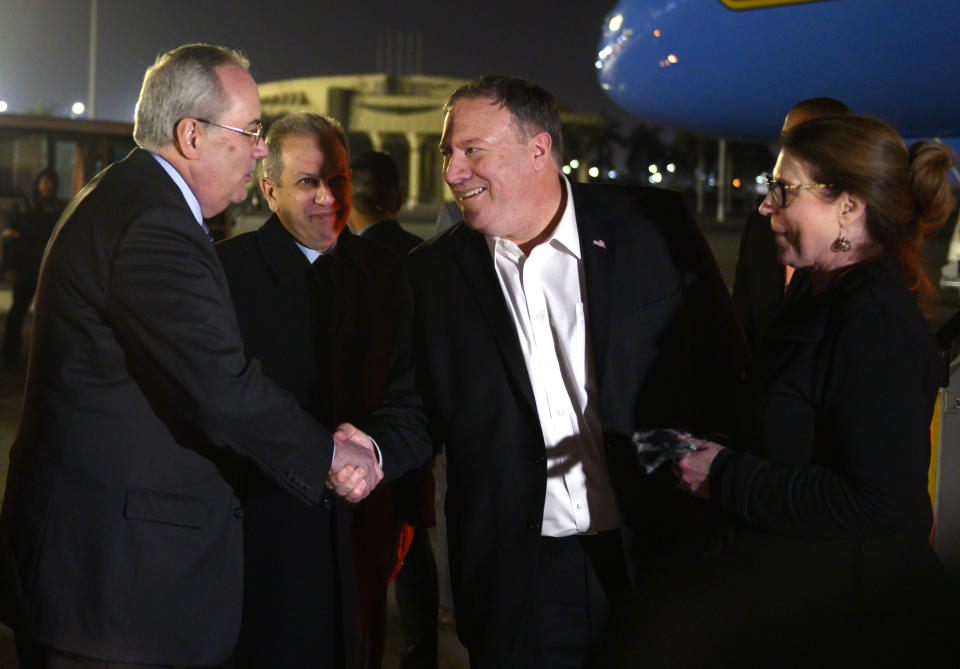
x=188 y=195
x=313 y=254
x=564 y=236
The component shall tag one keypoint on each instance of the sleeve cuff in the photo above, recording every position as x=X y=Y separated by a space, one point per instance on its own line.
x=376 y=447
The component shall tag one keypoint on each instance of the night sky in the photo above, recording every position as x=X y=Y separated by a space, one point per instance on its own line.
x=44 y=48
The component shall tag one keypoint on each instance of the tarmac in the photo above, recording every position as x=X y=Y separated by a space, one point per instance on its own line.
x=724 y=241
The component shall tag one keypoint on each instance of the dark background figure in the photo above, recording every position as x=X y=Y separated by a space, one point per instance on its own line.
x=760 y=283
x=221 y=225
x=375 y=188
x=30 y=222
x=323 y=331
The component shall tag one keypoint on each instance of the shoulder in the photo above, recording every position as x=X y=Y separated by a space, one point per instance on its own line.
x=237 y=249
x=409 y=240
x=391 y=235
x=368 y=252
x=143 y=176
x=876 y=305
x=646 y=223
x=614 y=200
x=444 y=245
x=131 y=189
x=645 y=215
x=872 y=286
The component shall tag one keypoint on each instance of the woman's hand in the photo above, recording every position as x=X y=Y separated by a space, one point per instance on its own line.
x=693 y=469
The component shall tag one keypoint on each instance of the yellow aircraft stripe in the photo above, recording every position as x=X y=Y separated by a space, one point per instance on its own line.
x=934 y=450
x=759 y=4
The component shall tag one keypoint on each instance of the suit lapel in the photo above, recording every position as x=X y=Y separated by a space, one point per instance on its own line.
x=598 y=248
x=476 y=265
x=280 y=252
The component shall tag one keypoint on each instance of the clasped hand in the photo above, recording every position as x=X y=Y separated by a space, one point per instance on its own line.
x=354 y=472
x=693 y=469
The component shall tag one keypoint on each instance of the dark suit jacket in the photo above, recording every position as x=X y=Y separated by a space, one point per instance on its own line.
x=120 y=535
x=327 y=340
x=414 y=493
x=391 y=235
x=666 y=350
x=758 y=283
x=828 y=487
x=758 y=291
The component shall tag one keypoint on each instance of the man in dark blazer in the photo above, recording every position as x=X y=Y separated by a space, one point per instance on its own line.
x=375 y=190
x=377 y=200
x=548 y=325
x=317 y=309
x=120 y=536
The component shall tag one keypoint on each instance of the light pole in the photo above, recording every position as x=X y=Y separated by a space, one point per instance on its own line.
x=92 y=69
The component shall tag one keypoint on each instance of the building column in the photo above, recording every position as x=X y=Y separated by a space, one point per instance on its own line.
x=413 y=194
x=723 y=185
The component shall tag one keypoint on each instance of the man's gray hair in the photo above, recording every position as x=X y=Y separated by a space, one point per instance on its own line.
x=300 y=124
x=182 y=83
x=532 y=108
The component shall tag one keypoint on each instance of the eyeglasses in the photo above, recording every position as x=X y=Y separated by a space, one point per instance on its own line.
x=778 y=189
x=257 y=134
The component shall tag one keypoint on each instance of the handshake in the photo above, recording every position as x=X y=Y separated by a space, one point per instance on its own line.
x=354 y=472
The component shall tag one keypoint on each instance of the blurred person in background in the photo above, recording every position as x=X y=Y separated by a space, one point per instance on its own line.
x=30 y=223
x=375 y=189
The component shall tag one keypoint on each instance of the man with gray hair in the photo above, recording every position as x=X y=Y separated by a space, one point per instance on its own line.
x=120 y=534
x=314 y=303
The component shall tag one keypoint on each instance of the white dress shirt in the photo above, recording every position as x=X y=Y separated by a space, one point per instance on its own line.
x=544 y=294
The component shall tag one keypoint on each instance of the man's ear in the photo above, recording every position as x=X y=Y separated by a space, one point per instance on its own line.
x=270 y=192
x=187 y=133
x=540 y=146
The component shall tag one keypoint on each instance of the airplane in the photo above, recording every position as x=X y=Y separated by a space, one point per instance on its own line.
x=731 y=68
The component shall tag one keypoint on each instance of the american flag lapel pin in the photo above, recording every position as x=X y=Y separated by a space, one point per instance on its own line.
x=600 y=243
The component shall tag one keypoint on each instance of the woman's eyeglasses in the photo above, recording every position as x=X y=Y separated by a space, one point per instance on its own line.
x=778 y=189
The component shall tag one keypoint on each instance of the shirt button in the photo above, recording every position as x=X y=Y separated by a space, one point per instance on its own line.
x=561 y=413
x=541 y=316
x=238 y=512
x=579 y=507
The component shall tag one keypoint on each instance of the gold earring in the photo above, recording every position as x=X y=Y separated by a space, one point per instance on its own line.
x=841 y=244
